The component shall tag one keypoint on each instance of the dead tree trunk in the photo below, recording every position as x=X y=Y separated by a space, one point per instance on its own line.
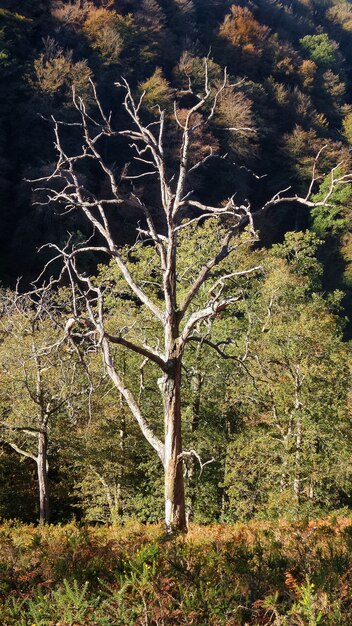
x=175 y=513
x=41 y=461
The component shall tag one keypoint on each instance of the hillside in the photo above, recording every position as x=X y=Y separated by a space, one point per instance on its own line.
x=178 y=174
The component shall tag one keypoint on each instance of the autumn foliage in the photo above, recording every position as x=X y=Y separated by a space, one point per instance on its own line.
x=255 y=574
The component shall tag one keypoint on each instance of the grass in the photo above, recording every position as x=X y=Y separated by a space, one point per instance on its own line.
x=252 y=574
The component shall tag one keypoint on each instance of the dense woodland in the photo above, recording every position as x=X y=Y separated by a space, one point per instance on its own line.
x=175 y=312
x=268 y=412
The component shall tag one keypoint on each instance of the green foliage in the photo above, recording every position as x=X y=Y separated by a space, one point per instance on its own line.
x=310 y=608
x=347 y=127
x=296 y=397
x=332 y=219
x=300 y=252
x=157 y=90
x=320 y=49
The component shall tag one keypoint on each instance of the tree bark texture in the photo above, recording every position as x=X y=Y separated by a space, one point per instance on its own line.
x=175 y=512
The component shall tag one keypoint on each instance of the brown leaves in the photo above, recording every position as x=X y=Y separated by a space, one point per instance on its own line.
x=292 y=584
x=242 y=29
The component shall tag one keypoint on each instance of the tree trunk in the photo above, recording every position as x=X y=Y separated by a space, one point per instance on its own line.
x=121 y=477
x=297 y=483
x=175 y=510
x=42 y=469
x=286 y=440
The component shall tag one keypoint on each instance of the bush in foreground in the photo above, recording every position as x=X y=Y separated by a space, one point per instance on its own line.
x=255 y=574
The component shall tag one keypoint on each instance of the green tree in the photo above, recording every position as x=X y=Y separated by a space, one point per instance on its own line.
x=293 y=454
x=320 y=49
x=37 y=384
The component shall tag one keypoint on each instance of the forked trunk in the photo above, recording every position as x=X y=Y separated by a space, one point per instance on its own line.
x=42 y=470
x=175 y=512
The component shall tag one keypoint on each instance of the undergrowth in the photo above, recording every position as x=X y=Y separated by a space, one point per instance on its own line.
x=253 y=574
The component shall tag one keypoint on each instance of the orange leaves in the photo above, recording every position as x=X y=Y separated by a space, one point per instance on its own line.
x=247 y=45
x=307 y=72
x=242 y=31
x=292 y=584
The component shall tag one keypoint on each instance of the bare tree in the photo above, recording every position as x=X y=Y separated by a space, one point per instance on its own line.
x=179 y=319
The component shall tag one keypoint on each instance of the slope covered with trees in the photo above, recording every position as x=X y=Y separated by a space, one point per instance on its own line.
x=293 y=61
x=265 y=409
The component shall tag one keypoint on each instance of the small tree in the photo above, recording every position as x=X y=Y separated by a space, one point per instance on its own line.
x=37 y=383
x=177 y=304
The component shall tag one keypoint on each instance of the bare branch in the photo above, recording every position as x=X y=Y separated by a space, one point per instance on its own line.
x=28 y=455
x=145 y=351
x=132 y=404
x=209 y=311
x=186 y=454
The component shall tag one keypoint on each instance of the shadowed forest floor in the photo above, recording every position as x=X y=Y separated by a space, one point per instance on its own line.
x=256 y=574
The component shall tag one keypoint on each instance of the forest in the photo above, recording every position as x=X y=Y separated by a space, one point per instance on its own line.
x=175 y=312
